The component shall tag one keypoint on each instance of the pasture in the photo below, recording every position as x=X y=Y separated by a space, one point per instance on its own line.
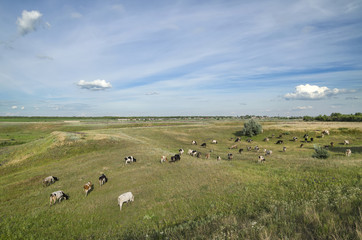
x=290 y=196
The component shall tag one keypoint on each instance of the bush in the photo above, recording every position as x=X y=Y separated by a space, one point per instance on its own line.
x=251 y=128
x=320 y=152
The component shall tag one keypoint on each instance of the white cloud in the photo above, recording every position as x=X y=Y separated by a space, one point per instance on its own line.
x=22 y=108
x=312 y=92
x=14 y=107
x=76 y=15
x=152 y=93
x=95 y=85
x=303 y=108
x=29 y=21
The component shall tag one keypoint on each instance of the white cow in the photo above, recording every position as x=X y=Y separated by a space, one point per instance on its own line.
x=261 y=159
x=49 y=180
x=163 y=159
x=57 y=195
x=348 y=152
x=181 y=151
x=346 y=142
x=214 y=142
x=125 y=198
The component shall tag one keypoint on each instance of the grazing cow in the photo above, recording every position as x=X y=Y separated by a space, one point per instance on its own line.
x=266 y=140
x=88 y=187
x=311 y=139
x=284 y=149
x=198 y=155
x=163 y=159
x=241 y=150
x=238 y=139
x=279 y=142
x=306 y=136
x=194 y=142
x=332 y=144
x=305 y=139
x=203 y=145
x=233 y=146
x=125 y=198
x=175 y=158
x=348 y=152
x=102 y=180
x=295 y=139
x=230 y=156
x=346 y=142
x=249 y=140
x=256 y=148
x=218 y=158
x=181 y=151
x=268 y=152
x=190 y=152
x=301 y=145
x=325 y=132
x=49 y=180
x=214 y=142
x=248 y=148
x=129 y=159
x=207 y=156
x=261 y=159
x=194 y=153
x=57 y=195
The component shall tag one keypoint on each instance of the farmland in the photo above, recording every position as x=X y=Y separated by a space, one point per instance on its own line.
x=290 y=196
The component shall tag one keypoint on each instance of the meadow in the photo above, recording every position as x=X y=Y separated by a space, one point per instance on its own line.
x=290 y=196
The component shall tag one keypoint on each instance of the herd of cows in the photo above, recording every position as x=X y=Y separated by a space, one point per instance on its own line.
x=128 y=196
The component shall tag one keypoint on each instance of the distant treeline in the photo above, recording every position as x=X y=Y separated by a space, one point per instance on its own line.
x=336 y=117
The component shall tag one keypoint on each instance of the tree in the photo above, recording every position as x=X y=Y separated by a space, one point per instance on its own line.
x=251 y=128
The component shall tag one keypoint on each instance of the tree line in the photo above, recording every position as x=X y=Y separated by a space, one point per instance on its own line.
x=336 y=117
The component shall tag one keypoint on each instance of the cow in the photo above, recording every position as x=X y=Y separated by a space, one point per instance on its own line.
x=218 y=158
x=346 y=142
x=268 y=152
x=49 y=180
x=306 y=136
x=214 y=142
x=311 y=139
x=194 y=142
x=238 y=139
x=203 y=145
x=248 y=148
x=230 y=156
x=198 y=155
x=102 y=180
x=233 y=146
x=175 y=158
x=261 y=159
x=181 y=151
x=301 y=145
x=332 y=144
x=125 y=198
x=279 y=142
x=88 y=187
x=348 y=152
x=284 y=149
x=241 y=150
x=190 y=152
x=207 y=156
x=325 y=132
x=256 y=148
x=295 y=139
x=57 y=195
x=129 y=159
x=249 y=140
x=194 y=153
x=266 y=139
x=163 y=159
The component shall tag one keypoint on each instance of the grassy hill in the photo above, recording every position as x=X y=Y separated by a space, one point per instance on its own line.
x=291 y=196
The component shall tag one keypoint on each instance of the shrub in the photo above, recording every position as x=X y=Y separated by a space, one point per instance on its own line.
x=320 y=152
x=251 y=128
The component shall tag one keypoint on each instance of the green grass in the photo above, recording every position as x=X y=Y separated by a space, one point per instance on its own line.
x=291 y=196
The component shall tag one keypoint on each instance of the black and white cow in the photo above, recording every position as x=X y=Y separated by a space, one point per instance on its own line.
x=129 y=159
x=102 y=179
x=175 y=158
x=57 y=195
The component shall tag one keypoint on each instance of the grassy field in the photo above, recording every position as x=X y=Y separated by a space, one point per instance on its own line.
x=290 y=196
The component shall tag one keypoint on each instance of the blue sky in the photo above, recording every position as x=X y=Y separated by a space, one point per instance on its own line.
x=162 y=58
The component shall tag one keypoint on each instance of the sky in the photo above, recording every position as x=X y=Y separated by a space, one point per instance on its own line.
x=180 y=58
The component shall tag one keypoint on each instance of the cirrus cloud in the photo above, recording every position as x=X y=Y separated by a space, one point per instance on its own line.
x=95 y=85
x=312 y=92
